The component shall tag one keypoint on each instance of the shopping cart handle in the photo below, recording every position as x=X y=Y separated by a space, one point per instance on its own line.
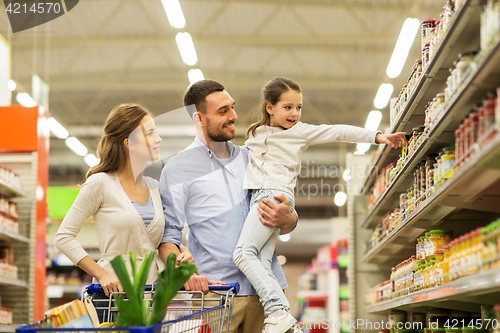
x=95 y=287
x=225 y=287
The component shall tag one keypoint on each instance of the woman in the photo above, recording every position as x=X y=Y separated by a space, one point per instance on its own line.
x=125 y=205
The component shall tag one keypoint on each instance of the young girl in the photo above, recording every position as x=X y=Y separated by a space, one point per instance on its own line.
x=276 y=143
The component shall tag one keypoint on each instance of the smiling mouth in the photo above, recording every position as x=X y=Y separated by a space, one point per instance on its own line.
x=230 y=127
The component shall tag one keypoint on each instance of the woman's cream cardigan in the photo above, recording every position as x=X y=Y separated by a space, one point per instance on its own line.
x=119 y=226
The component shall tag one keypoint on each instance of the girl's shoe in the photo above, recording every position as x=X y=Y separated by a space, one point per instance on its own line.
x=279 y=325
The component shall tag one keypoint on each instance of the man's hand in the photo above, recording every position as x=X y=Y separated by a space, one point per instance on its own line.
x=275 y=215
x=199 y=283
x=395 y=140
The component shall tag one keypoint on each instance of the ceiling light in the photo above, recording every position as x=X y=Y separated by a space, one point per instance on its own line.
x=362 y=147
x=195 y=75
x=25 y=100
x=11 y=85
x=57 y=129
x=76 y=146
x=347 y=175
x=383 y=96
x=91 y=160
x=282 y=259
x=174 y=13
x=402 y=48
x=186 y=48
x=373 y=120
x=284 y=238
x=340 y=198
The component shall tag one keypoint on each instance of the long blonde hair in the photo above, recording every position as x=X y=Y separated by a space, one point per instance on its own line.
x=121 y=121
x=271 y=93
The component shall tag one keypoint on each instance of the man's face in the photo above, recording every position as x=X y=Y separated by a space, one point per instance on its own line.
x=219 y=117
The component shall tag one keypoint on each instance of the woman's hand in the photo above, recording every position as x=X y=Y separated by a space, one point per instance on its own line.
x=185 y=255
x=110 y=283
x=395 y=140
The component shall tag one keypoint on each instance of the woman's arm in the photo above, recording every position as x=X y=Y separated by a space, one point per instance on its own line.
x=107 y=281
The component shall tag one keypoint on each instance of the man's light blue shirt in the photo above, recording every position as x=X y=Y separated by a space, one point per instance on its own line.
x=198 y=189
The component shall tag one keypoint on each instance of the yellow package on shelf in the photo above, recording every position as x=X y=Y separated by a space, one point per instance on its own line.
x=69 y=315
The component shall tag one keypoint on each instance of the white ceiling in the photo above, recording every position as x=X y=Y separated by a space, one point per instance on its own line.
x=106 y=52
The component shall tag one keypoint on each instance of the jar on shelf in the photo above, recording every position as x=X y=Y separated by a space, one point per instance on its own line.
x=409 y=208
x=487 y=119
x=422 y=250
x=446 y=263
x=416 y=181
x=432 y=281
x=423 y=180
x=439 y=238
x=427 y=26
x=459 y=142
x=433 y=42
x=427 y=246
x=425 y=55
x=448 y=162
x=429 y=172
x=438 y=268
x=417 y=248
x=464 y=66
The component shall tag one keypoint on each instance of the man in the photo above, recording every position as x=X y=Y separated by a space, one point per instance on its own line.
x=203 y=185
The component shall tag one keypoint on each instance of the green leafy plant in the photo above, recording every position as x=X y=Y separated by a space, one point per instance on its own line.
x=132 y=312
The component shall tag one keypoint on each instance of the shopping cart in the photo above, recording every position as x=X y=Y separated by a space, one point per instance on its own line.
x=188 y=312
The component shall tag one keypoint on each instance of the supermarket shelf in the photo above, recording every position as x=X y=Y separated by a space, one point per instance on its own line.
x=312 y=294
x=57 y=290
x=456 y=40
x=475 y=186
x=8 y=236
x=472 y=91
x=8 y=328
x=466 y=294
x=10 y=190
x=12 y=282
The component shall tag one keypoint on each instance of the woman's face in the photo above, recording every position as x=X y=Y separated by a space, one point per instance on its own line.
x=144 y=141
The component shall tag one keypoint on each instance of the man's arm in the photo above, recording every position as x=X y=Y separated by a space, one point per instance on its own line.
x=276 y=215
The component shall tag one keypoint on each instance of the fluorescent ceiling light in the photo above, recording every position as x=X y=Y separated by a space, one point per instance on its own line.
x=284 y=238
x=383 y=96
x=340 y=198
x=25 y=100
x=91 y=160
x=186 y=48
x=373 y=120
x=11 y=85
x=57 y=129
x=402 y=48
x=174 y=13
x=362 y=147
x=76 y=146
x=347 y=175
x=195 y=75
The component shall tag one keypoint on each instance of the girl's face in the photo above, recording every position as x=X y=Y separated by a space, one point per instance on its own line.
x=144 y=143
x=286 y=112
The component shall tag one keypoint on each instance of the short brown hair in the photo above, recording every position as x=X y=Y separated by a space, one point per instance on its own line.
x=197 y=92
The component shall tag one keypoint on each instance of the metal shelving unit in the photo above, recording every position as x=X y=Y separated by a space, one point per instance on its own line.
x=467 y=200
x=474 y=189
x=465 y=294
x=10 y=190
x=17 y=294
x=442 y=131
x=456 y=40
